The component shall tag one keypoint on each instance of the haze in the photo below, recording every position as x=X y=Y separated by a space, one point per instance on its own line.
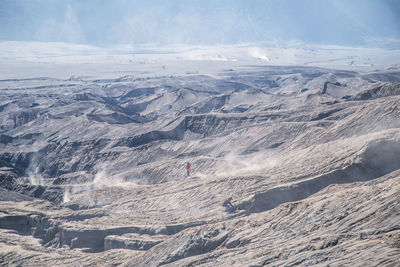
x=105 y=23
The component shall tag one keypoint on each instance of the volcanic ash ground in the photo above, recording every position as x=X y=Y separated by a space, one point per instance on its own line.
x=94 y=148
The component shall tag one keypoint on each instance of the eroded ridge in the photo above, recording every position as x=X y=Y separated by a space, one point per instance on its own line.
x=94 y=171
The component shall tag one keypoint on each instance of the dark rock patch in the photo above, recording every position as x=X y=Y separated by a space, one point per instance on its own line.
x=11 y=182
x=388 y=89
x=5 y=139
x=153 y=136
x=326 y=86
x=324 y=115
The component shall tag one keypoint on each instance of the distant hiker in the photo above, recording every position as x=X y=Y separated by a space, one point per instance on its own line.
x=95 y=198
x=228 y=204
x=188 y=168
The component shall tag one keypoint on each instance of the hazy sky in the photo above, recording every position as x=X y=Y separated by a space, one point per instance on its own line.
x=202 y=22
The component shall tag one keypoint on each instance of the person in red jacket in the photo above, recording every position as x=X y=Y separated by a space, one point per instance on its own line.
x=228 y=204
x=188 y=168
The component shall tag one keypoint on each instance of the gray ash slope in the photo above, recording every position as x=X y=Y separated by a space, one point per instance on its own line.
x=309 y=155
